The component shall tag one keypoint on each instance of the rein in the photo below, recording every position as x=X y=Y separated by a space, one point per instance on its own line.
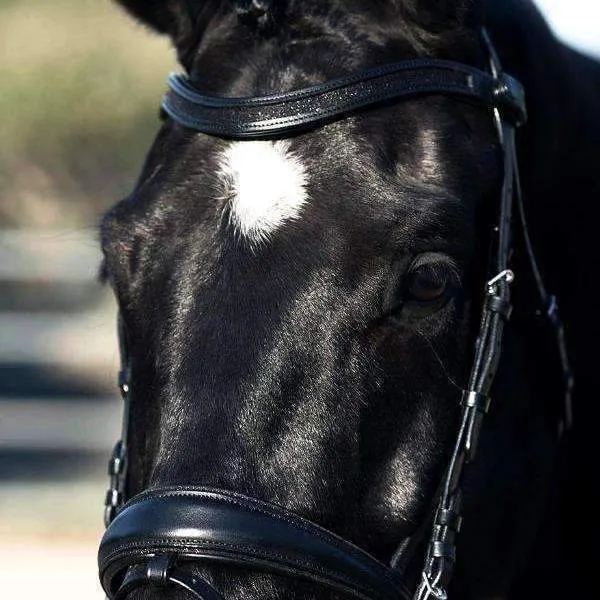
x=158 y=535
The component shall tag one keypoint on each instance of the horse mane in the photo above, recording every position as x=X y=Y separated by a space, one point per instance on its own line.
x=434 y=16
x=172 y=16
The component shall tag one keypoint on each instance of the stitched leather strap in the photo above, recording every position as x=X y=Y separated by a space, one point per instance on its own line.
x=268 y=116
x=203 y=524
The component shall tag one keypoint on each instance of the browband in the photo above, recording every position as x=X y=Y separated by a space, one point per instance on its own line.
x=269 y=116
x=178 y=525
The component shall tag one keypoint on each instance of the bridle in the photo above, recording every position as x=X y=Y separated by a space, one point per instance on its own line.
x=158 y=535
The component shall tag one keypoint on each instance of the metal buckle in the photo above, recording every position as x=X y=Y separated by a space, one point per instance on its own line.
x=123 y=382
x=507 y=275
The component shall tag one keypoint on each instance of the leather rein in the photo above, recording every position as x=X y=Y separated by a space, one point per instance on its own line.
x=158 y=536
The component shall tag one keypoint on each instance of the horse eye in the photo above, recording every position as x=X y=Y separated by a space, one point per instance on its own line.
x=428 y=283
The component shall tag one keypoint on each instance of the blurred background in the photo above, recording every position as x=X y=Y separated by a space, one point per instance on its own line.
x=80 y=84
x=79 y=89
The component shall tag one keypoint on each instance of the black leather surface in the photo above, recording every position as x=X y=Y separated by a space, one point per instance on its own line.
x=215 y=525
x=269 y=116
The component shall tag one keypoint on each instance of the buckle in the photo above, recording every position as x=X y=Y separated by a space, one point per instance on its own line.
x=506 y=275
x=508 y=95
x=123 y=382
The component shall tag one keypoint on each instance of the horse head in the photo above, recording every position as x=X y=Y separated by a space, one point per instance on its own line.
x=301 y=310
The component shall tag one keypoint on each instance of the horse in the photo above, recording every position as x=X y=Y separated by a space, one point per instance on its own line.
x=338 y=276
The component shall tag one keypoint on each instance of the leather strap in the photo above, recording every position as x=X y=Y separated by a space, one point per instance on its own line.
x=117 y=465
x=204 y=524
x=268 y=116
x=139 y=576
x=440 y=558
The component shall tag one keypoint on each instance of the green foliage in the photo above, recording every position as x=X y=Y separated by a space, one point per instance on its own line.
x=79 y=89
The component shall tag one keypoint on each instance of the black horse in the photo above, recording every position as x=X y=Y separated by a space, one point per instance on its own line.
x=302 y=312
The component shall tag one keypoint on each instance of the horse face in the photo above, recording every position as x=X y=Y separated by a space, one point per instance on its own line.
x=300 y=311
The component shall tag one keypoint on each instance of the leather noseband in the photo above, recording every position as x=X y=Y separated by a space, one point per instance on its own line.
x=162 y=529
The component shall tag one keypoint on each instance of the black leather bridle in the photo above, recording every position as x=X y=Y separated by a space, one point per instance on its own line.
x=158 y=536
